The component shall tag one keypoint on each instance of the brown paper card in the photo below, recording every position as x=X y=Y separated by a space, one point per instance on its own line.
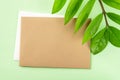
x=47 y=42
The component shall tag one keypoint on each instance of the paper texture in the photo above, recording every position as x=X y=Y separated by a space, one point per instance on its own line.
x=44 y=41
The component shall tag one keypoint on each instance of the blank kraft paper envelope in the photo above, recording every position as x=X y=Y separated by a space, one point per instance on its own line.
x=47 y=42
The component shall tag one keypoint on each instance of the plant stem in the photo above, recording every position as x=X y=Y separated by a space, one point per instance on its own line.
x=104 y=12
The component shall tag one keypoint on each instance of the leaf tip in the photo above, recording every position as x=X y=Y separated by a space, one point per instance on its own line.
x=75 y=30
x=94 y=53
x=66 y=20
x=53 y=11
x=83 y=42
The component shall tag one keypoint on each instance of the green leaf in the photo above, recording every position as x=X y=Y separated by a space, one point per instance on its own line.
x=99 y=42
x=114 y=17
x=114 y=36
x=72 y=9
x=113 y=3
x=84 y=14
x=58 y=5
x=92 y=28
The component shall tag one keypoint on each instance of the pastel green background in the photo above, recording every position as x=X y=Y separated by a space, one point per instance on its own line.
x=104 y=66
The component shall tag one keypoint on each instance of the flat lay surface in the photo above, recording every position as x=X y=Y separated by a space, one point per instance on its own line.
x=104 y=66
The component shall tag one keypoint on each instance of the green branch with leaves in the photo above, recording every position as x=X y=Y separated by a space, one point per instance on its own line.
x=98 y=40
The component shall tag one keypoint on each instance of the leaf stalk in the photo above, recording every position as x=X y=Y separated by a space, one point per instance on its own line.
x=104 y=13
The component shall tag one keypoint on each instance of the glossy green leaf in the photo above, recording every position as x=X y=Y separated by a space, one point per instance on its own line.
x=114 y=36
x=58 y=5
x=84 y=14
x=72 y=9
x=92 y=28
x=114 y=17
x=99 y=42
x=113 y=3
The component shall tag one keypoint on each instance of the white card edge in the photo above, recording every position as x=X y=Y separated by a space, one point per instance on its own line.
x=27 y=14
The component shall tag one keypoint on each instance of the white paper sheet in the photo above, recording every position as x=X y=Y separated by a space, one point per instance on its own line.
x=26 y=14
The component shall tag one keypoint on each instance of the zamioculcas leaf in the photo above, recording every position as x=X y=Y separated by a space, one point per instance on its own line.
x=114 y=17
x=84 y=14
x=113 y=3
x=58 y=5
x=72 y=9
x=114 y=36
x=99 y=42
x=92 y=28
